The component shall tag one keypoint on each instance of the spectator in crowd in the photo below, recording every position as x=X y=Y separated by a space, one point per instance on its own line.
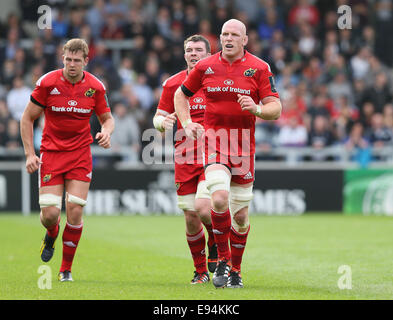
x=304 y=11
x=360 y=63
x=126 y=137
x=320 y=135
x=266 y=133
x=95 y=17
x=5 y=117
x=13 y=140
x=292 y=134
x=379 y=134
x=379 y=93
x=366 y=114
x=357 y=145
x=269 y=25
x=17 y=98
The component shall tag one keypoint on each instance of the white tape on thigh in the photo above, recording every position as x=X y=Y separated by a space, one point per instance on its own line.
x=217 y=180
x=49 y=200
x=202 y=191
x=186 y=202
x=240 y=198
x=74 y=199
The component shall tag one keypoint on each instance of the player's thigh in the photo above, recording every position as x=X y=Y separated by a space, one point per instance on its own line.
x=77 y=188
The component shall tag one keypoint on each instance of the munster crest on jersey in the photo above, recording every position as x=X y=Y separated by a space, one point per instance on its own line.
x=89 y=93
x=250 y=72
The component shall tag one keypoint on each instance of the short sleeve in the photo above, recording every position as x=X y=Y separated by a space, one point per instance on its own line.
x=166 y=102
x=39 y=94
x=267 y=86
x=102 y=103
x=193 y=81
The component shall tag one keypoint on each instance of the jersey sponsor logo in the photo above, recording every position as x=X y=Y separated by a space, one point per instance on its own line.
x=89 y=93
x=198 y=104
x=54 y=91
x=209 y=71
x=70 y=109
x=250 y=72
x=72 y=103
x=228 y=82
x=228 y=89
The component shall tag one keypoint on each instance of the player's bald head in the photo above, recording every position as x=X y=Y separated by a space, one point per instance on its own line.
x=234 y=23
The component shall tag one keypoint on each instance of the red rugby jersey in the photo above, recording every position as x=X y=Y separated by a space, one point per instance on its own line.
x=221 y=83
x=68 y=108
x=197 y=105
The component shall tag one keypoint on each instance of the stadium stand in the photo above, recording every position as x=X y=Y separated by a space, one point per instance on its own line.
x=336 y=85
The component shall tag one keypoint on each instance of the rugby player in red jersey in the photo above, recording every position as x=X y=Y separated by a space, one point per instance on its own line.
x=238 y=87
x=67 y=97
x=193 y=197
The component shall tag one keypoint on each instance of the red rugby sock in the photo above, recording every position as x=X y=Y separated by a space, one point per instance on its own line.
x=71 y=236
x=221 y=222
x=197 y=243
x=238 y=244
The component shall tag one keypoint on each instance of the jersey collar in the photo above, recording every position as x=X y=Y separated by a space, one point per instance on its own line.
x=240 y=60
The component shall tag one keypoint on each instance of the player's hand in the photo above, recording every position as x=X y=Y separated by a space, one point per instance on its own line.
x=194 y=130
x=169 y=121
x=104 y=139
x=32 y=163
x=247 y=103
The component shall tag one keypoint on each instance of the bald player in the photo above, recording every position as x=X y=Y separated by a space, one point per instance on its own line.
x=239 y=87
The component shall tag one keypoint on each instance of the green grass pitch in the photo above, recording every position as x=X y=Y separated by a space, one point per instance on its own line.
x=135 y=258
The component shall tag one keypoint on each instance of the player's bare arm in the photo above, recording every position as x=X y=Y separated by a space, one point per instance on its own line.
x=31 y=113
x=107 y=126
x=164 y=121
x=269 y=110
x=192 y=129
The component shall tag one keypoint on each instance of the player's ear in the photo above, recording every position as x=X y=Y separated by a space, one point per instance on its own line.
x=245 y=40
x=86 y=61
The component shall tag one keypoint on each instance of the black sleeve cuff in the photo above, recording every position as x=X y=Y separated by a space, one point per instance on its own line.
x=187 y=92
x=36 y=102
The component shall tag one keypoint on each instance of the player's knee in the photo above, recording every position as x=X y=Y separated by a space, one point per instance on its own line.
x=186 y=202
x=193 y=222
x=220 y=200
x=49 y=216
x=46 y=200
x=75 y=200
x=240 y=221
